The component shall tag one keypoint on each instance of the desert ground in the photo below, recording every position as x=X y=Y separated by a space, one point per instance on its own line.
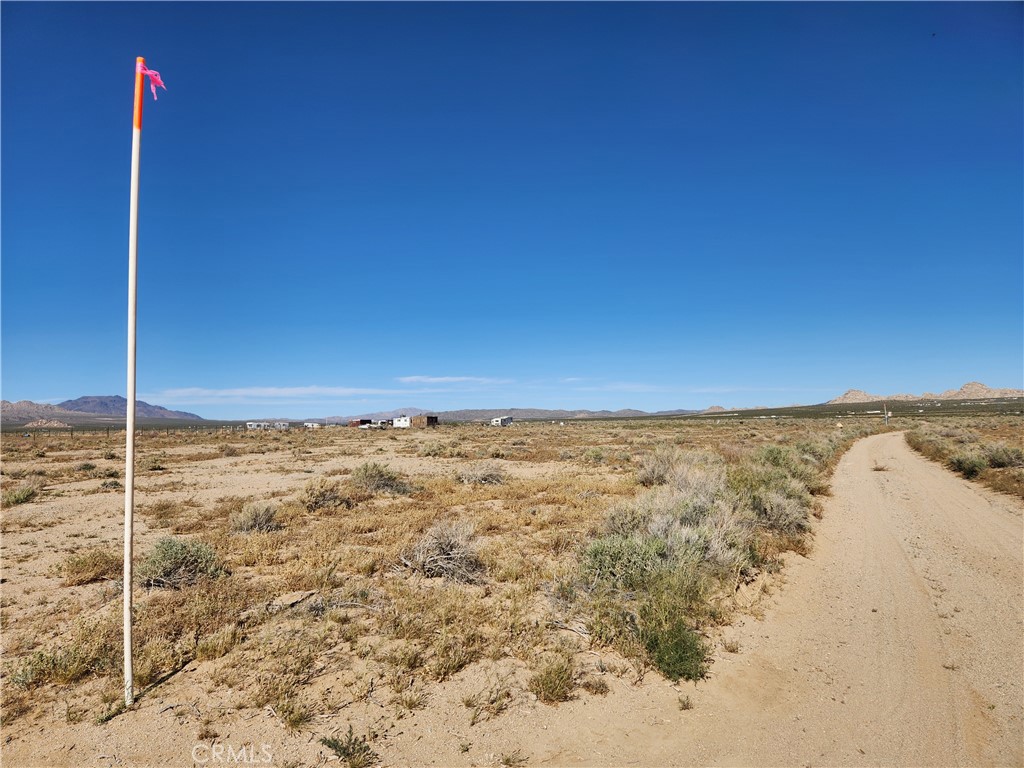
x=671 y=592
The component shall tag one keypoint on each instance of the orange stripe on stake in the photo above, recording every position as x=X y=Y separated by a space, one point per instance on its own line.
x=140 y=79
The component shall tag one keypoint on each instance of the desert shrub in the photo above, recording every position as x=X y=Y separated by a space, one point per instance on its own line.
x=448 y=450
x=762 y=486
x=674 y=647
x=785 y=458
x=93 y=647
x=175 y=563
x=627 y=518
x=655 y=467
x=378 y=478
x=782 y=513
x=481 y=474
x=321 y=493
x=259 y=516
x=1000 y=455
x=968 y=463
x=554 y=681
x=85 y=466
x=700 y=479
x=623 y=562
x=21 y=494
x=92 y=565
x=447 y=550
x=154 y=464
x=354 y=752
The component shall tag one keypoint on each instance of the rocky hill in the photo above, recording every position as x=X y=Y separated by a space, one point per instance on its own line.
x=115 y=405
x=972 y=390
x=85 y=411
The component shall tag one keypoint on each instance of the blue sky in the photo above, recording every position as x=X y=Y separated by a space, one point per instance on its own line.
x=350 y=207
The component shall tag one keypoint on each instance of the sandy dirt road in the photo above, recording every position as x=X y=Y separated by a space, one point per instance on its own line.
x=899 y=641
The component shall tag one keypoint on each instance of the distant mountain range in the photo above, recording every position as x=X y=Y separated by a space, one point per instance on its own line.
x=93 y=409
x=972 y=390
x=111 y=409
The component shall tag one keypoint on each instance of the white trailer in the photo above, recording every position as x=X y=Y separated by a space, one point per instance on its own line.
x=401 y=422
x=501 y=421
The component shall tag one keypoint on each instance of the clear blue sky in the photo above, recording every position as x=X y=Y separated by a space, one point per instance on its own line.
x=350 y=207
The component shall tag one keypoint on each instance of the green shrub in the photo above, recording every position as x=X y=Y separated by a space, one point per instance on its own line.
x=1001 y=455
x=968 y=464
x=675 y=649
x=624 y=562
x=354 y=752
x=174 y=563
x=20 y=495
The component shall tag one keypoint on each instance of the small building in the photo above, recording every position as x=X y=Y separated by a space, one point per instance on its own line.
x=401 y=422
x=312 y=425
x=501 y=421
x=281 y=425
x=257 y=425
x=358 y=422
x=422 y=422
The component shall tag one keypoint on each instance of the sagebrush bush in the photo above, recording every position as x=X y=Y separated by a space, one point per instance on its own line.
x=654 y=467
x=1000 y=455
x=256 y=516
x=968 y=463
x=447 y=550
x=175 y=563
x=624 y=562
x=378 y=478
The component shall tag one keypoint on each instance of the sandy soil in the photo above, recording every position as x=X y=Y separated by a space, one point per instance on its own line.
x=898 y=641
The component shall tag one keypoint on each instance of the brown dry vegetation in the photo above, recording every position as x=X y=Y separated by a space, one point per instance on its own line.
x=315 y=572
x=989 y=449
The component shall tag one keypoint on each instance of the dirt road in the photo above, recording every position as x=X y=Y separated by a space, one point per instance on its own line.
x=900 y=641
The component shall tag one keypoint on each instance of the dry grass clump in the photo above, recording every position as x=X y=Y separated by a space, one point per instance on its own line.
x=256 y=516
x=321 y=493
x=22 y=493
x=490 y=702
x=94 y=564
x=555 y=680
x=174 y=563
x=378 y=478
x=444 y=450
x=481 y=474
x=447 y=550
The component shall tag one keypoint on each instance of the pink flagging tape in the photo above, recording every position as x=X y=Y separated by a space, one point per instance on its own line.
x=154 y=77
